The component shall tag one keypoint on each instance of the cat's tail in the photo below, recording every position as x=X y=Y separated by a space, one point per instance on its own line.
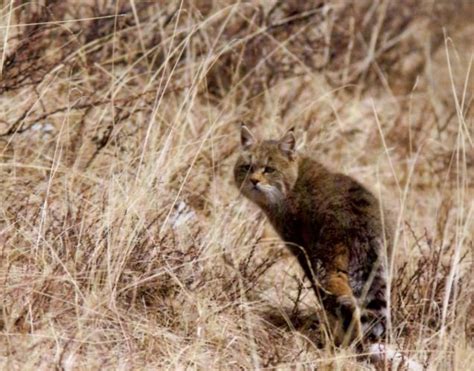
x=381 y=354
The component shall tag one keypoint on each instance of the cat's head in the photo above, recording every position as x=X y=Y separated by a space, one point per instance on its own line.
x=266 y=170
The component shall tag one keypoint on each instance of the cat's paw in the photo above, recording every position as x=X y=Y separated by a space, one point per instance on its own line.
x=349 y=318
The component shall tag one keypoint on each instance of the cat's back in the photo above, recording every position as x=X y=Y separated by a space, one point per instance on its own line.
x=331 y=189
x=330 y=199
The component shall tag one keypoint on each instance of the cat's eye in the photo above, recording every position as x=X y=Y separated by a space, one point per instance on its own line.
x=245 y=168
x=269 y=170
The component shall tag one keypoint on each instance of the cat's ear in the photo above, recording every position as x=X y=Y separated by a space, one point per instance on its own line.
x=287 y=143
x=246 y=137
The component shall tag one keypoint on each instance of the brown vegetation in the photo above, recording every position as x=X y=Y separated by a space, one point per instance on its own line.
x=123 y=242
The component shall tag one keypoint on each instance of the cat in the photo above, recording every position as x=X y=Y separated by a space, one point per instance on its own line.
x=332 y=224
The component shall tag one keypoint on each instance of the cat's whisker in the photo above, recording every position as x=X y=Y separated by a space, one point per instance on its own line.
x=273 y=194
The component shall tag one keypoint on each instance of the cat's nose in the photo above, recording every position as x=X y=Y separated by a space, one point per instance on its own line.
x=254 y=181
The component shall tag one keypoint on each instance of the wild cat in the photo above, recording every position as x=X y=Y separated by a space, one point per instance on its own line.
x=332 y=224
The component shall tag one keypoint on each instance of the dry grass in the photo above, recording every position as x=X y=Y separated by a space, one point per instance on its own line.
x=123 y=243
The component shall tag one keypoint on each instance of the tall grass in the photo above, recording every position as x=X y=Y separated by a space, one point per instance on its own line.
x=123 y=243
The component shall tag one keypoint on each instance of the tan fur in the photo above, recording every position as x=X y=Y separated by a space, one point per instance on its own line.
x=331 y=223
